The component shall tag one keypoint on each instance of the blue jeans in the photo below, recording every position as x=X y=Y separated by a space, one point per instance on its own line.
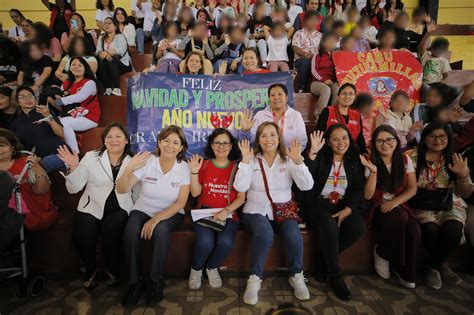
x=140 y=39
x=303 y=66
x=211 y=246
x=160 y=242
x=52 y=163
x=261 y=230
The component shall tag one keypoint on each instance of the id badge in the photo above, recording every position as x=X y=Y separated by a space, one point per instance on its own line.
x=334 y=198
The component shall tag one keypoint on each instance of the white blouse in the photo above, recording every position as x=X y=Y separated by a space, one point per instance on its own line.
x=280 y=177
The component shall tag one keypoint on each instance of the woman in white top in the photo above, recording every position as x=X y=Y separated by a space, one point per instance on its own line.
x=288 y=120
x=126 y=28
x=114 y=59
x=281 y=169
x=16 y=33
x=165 y=181
x=101 y=211
x=105 y=9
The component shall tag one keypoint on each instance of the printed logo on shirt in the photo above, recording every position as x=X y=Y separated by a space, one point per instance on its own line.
x=333 y=120
x=175 y=184
x=353 y=122
x=151 y=180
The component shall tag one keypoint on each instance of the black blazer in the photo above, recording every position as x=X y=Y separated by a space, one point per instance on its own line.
x=320 y=169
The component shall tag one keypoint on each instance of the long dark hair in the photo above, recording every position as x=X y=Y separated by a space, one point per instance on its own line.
x=388 y=4
x=234 y=153
x=388 y=181
x=326 y=36
x=43 y=34
x=127 y=150
x=12 y=140
x=423 y=149
x=88 y=74
x=99 y=5
x=124 y=14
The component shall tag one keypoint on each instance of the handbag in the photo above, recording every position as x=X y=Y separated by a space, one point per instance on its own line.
x=282 y=211
x=440 y=199
x=211 y=222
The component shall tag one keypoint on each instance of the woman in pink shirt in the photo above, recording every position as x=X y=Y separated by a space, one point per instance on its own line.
x=50 y=44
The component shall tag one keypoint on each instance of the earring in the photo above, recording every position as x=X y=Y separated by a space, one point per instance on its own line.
x=13 y=152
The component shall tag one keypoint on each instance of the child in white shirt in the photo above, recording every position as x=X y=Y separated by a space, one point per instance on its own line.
x=278 y=39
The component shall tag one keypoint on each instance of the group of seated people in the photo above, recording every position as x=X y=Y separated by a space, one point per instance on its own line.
x=398 y=172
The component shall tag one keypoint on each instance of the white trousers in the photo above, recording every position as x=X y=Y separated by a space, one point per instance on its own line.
x=71 y=124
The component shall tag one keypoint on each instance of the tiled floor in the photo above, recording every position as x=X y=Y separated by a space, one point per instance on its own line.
x=372 y=295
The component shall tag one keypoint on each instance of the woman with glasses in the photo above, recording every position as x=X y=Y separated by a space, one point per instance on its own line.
x=333 y=206
x=114 y=59
x=36 y=126
x=442 y=176
x=289 y=120
x=390 y=183
x=211 y=182
x=342 y=113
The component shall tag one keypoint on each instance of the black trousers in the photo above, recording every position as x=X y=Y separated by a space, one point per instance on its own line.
x=332 y=239
x=86 y=232
x=160 y=242
x=440 y=241
x=109 y=72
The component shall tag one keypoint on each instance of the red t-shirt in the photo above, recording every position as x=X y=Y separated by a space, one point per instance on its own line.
x=214 y=181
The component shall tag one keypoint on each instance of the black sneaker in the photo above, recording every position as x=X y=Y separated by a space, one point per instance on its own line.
x=338 y=286
x=155 y=292
x=133 y=294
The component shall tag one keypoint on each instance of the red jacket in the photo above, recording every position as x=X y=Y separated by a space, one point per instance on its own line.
x=323 y=68
x=353 y=123
x=91 y=103
x=54 y=12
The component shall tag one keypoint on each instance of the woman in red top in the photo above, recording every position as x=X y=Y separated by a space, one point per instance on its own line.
x=251 y=62
x=35 y=185
x=324 y=72
x=79 y=89
x=341 y=113
x=391 y=182
x=211 y=180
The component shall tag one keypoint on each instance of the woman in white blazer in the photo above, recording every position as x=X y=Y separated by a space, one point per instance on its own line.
x=101 y=210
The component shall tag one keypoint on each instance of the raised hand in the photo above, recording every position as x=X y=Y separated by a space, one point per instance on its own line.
x=459 y=166
x=138 y=161
x=247 y=121
x=417 y=126
x=223 y=67
x=70 y=159
x=431 y=26
x=371 y=166
x=246 y=150
x=455 y=113
x=295 y=151
x=195 y=163
x=317 y=142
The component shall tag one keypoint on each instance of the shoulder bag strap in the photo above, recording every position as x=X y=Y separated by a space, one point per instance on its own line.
x=231 y=182
x=265 y=182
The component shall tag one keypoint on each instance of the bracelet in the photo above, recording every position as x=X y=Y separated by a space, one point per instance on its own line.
x=194 y=173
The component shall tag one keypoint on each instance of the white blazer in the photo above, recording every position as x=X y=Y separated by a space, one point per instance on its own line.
x=95 y=174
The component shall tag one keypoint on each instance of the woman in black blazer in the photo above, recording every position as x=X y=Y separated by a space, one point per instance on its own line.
x=333 y=206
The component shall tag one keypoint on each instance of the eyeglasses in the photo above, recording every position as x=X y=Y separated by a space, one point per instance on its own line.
x=388 y=141
x=221 y=144
x=26 y=97
x=435 y=137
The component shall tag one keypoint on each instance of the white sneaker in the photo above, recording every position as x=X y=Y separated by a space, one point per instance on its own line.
x=251 y=292
x=403 y=283
x=215 y=280
x=433 y=278
x=195 y=279
x=300 y=289
x=117 y=92
x=108 y=91
x=382 y=266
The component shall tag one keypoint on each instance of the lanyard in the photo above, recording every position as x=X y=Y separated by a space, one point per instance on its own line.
x=282 y=119
x=336 y=173
x=433 y=172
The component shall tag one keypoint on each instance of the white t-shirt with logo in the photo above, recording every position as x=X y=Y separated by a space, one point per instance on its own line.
x=159 y=191
x=341 y=182
x=277 y=48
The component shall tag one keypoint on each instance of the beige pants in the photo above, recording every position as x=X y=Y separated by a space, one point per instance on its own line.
x=324 y=92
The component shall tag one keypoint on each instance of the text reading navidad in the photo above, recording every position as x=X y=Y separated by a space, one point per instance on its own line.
x=203 y=93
